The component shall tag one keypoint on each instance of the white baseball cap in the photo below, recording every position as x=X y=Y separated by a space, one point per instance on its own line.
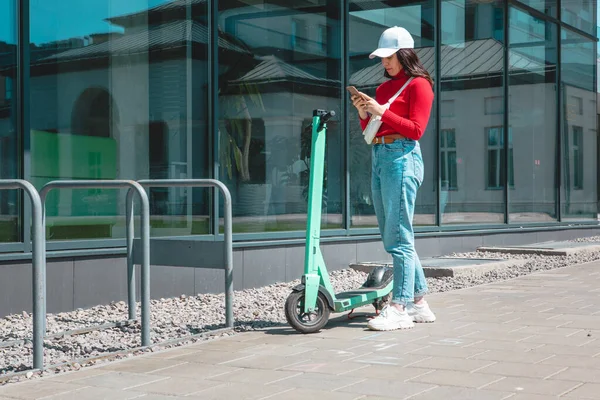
x=392 y=40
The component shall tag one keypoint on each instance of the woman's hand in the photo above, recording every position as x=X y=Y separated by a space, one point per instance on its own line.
x=359 y=103
x=371 y=106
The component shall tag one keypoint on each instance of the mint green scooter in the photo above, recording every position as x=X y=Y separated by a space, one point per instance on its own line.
x=308 y=307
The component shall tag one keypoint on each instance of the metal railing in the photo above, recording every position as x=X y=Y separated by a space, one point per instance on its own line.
x=227 y=252
x=145 y=237
x=38 y=260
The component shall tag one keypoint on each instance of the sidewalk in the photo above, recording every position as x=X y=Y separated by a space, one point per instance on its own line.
x=532 y=338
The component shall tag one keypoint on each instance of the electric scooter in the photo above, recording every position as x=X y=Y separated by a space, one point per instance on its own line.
x=308 y=307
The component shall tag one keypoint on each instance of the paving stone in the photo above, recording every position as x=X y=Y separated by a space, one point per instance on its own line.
x=277 y=350
x=173 y=353
x=388 y=372
x=324 y=367
x=451 y=392
x=211 y=357
x=153 y=396
x=559 y=340
x=545 y=330
x=527 y=357
x=579 y=375
x=265 y=362
x=399 y=360
x=504 y=345
x=555 y=349
x=177 y=386
x=197 y=370
x=551 y=387
x=446 y=351
x=141 y=365
x=93 y=393
x=259 y=376
x=316 y=381
x=388 y=388
x=75 y=376
x=120 y=380
x=239 y=391
x=37 y=389
x=304 y=394
x=498 y=335
x=521 y=370
x=585 y=391
x=530 y=396
x=449 y=363
x=573 y=361
x=335 y=355
x=334 y=344
x=458 y=378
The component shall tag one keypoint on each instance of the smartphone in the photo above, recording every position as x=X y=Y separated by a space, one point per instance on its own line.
x=353 y=91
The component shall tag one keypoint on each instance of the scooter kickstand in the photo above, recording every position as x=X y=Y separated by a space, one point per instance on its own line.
x=350 y=313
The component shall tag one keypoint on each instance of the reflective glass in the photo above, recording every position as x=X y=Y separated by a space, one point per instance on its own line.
x=368 y=19
x=119 y=91
x=532 y=118
x=580 y=13
x=545 y=6
x=280 y=64
x=579 y=133
x=10 y=202
x=472 y=112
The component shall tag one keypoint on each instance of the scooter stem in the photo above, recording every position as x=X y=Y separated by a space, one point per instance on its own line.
x=314 y=267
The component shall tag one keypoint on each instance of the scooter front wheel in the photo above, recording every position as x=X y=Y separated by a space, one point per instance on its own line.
x=302 y=321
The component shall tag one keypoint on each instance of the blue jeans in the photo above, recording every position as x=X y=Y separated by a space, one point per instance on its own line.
x=397 y=174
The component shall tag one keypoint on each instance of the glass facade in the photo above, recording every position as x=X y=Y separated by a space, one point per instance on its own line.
x=10 y=159
x=151 y=89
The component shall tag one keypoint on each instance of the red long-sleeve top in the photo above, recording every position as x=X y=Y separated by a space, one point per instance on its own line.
x=409 y=114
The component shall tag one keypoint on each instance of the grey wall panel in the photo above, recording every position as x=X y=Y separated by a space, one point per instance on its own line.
x=264 y=266
x=471 y=243
x=86 y=282
x=371 y=251
x=99 y=281
x=171 y=281
x=427 y=247
x=209 y=281
x=15 y=288
x=213 y=280
x=339 y=255
x=59 y=285
x=294 y=262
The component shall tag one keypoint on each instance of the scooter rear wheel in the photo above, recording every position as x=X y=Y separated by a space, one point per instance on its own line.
x=306 y=322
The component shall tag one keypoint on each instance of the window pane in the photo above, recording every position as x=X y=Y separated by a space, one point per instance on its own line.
x=286 y=63
x=368 y=19
x=118 y=91
x=9 y=159
x=532 y=118
x=472 y=69
x=580 y=141
x=545 y=6
x=580 y=14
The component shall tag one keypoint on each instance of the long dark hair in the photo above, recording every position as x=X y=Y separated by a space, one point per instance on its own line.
x=411 y=64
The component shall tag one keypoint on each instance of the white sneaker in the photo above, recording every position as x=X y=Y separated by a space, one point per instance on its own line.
x=420 y=313
x=390 y=318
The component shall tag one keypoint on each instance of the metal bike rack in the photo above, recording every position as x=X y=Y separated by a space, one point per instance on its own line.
x=38 y=261
x=145 y=239
x=184 y=251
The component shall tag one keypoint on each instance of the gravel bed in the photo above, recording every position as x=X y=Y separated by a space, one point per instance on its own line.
x=586 y=239
x=177 y=318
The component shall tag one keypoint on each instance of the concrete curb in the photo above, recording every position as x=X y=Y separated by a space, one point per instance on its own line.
x=435 y=268
x=540 y=250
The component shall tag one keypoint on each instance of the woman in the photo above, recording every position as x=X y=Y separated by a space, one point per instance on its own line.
x=397 y=171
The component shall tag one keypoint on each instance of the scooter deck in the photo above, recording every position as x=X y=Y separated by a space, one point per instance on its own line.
x=359 y=297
